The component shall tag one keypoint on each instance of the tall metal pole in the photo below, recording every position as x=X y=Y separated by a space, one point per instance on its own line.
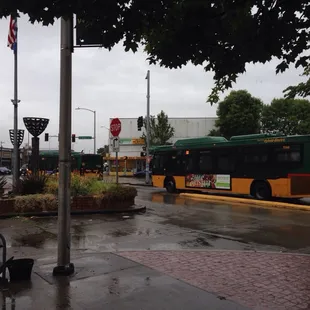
x=15 y=102
x=95 y=151
x=1 y=160
x=64 y=267
x=147 y=165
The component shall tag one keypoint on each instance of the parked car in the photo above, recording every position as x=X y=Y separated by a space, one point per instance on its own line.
x=141 y=174
x=5 y=171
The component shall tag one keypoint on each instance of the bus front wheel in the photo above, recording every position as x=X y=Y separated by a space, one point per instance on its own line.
x=261 y=190
x=170 y=186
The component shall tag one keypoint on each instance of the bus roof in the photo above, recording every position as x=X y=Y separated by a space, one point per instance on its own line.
x=234 y=141
x=203 y=140
x=56 y=153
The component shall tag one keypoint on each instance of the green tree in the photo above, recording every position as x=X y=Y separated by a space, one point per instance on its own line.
x=287 y=116
x=223 y=36
x=302 y=89
x=160 y=129
x=238 y=114
x=214 y=133
x=103 y=150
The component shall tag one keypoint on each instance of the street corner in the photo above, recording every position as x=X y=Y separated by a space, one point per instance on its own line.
x=258 y=280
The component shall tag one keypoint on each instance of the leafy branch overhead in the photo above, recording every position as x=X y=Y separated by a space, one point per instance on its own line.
x=223 y=36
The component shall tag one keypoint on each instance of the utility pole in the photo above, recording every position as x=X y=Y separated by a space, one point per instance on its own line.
x=95 y=151
x=64 y=267
x=1 y=142
x=15 y=102
x=95 y=126
x=147 y=165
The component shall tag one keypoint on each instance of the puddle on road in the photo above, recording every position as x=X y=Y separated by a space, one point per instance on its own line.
x=35 y=240
x=196 y=243
x=121 y=232
x=293 y=237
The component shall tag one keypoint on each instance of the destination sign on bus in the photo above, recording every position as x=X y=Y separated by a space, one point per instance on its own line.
x=272 y=140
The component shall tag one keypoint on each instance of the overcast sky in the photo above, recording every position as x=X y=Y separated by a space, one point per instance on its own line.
x=112 y=83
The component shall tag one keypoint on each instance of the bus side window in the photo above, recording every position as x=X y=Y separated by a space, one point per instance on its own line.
x=205 y=162
x=191 y=161
x=226 y=163
x=291 y=155
x=180 y=162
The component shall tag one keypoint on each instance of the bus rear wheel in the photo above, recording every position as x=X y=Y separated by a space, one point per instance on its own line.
x=170 y=186
x=261 y=190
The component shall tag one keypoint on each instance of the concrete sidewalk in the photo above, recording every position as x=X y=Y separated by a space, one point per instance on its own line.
x=108 y=281
x=154 y=280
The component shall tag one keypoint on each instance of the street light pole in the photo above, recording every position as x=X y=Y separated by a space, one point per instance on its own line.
x=95 y=150
x=147 y=164
x=64 y=267
x=1 y=142
x=94 y=112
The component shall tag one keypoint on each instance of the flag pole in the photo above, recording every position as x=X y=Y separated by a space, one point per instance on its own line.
x=15 y=102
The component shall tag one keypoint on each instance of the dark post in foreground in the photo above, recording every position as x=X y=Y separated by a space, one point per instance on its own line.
x=36 y=126
x=19 y=137
x=64 y=267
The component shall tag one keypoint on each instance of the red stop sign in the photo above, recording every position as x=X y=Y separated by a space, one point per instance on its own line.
x=115 y=127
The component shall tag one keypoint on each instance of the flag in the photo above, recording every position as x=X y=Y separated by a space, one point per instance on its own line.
x=12 y=36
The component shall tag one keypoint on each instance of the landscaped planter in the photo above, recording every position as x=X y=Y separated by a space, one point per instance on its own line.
x=100 y=203
x=7 y=206
x=48 y=203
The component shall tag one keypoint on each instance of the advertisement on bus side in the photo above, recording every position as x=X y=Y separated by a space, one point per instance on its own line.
x=211 y=181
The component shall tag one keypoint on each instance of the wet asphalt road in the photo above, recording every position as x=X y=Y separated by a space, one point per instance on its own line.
x=170 y=223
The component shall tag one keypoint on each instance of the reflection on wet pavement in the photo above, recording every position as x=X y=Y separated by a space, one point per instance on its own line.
x=171 y=222
x=36 y=240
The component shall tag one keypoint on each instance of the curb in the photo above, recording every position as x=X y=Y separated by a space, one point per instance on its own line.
x=86 y=212
x=261 y=203
x=271 y=253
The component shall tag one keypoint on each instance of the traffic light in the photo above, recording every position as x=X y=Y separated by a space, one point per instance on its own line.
x=46 y=137
x=140 y=123
x=73 y=138
x=142 y=154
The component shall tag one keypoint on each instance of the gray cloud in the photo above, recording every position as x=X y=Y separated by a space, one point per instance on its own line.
x=112 y=83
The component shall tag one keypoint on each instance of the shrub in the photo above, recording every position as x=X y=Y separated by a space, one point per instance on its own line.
x=32 y=184
x=52 y=186
x=83 y=186
x=120 y=193
x=79 y=186
x=3 y=183
x=35 y=203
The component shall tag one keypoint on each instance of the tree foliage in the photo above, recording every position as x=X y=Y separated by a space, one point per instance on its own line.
x=287 y=116
x=238 y=114
x=215 y=132
x=160 y=129
x=103 y=150
x=223 y=36
x=302 y=89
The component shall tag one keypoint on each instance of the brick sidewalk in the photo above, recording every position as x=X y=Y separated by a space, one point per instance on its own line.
x=254 y=279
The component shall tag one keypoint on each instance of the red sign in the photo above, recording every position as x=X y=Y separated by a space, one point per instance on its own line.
x=115 y=127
